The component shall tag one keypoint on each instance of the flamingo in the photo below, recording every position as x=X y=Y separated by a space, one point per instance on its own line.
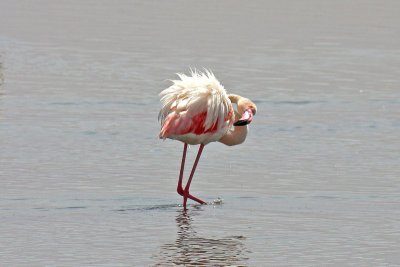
x=197 y=110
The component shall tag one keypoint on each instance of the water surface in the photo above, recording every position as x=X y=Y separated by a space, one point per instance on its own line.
x=86 y=182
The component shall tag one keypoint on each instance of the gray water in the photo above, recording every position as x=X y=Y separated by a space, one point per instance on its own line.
x=84 y=180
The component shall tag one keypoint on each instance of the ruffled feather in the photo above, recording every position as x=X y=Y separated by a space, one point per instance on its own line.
x=189 y=96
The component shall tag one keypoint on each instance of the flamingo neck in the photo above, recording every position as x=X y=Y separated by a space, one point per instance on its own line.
x=235 y=136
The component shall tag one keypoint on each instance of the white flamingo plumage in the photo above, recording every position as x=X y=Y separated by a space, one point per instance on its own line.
x=197 y=110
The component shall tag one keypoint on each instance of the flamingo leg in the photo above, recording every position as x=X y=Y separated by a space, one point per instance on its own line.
x=186 y=194
x=179 y=188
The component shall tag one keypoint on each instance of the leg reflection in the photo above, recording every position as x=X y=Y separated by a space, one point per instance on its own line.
x=189 y=249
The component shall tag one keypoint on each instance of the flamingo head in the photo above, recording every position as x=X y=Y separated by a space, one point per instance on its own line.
x=250 y=110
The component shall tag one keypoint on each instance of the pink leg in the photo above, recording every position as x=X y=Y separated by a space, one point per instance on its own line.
x=179 y=188
x=186 y=194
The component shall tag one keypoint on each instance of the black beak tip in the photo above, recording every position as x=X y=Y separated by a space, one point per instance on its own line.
x=241 y=123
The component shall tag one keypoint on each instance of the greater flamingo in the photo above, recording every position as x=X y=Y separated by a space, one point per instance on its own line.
x=197 y=110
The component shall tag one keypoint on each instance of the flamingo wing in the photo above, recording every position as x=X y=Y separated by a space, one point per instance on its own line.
x=195 y=105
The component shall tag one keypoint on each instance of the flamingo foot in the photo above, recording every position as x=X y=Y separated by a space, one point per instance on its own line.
x=186 y=195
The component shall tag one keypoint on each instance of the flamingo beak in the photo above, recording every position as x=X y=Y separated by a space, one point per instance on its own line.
x=246 y=118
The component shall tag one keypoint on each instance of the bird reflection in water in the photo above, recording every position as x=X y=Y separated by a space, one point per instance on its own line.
x=191 y=250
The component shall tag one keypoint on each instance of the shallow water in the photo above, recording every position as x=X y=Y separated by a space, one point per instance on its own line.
x=86 y=182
